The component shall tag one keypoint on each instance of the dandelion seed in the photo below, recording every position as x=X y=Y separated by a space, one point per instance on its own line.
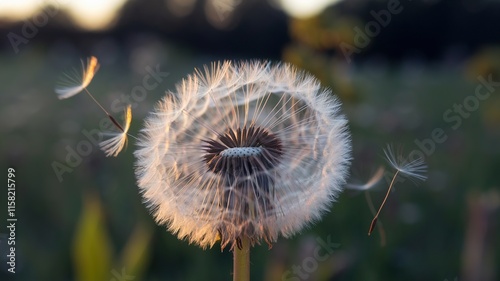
x=376 y=177
x=114 y=145
x=74 y=84
x=243 y=152
x=413 y=170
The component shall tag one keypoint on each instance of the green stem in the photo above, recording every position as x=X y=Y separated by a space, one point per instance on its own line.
x=241 y=267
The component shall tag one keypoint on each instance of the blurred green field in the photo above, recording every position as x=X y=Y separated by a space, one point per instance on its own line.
x=93 y=226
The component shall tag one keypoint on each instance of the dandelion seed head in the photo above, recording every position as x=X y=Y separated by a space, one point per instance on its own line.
x=243 y=150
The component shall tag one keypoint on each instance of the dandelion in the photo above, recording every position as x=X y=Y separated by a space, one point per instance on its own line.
x=414 y=170
x=114 y=145
x=243 y=153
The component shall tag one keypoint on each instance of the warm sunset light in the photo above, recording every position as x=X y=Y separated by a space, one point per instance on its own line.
x=96 y=14
x=18 y=9
x=305 y=8
x=89 y=14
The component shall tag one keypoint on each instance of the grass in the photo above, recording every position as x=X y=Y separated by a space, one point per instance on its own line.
x=425 y=224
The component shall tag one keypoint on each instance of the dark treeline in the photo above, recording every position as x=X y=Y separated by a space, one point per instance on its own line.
x=429 y=29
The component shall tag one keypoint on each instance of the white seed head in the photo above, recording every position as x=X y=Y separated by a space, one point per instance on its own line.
x=243 y=150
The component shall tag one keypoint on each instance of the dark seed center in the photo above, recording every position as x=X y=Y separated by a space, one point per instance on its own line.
x=242 y=151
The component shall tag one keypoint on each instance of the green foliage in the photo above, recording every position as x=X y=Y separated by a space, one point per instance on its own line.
x=93 y=224
x=92 y=252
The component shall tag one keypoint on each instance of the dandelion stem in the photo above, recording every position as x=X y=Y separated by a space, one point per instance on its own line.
x=374 y=221
x=241 y=266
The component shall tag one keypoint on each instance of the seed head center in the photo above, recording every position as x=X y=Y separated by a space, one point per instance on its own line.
x=241 y=151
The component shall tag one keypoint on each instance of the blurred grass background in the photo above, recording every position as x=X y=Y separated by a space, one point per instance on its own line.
x=93 y=226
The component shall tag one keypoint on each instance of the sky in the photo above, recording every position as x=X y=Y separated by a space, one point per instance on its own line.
x=98 y=14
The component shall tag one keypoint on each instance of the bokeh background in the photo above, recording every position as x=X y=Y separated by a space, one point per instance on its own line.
x=411 y=73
